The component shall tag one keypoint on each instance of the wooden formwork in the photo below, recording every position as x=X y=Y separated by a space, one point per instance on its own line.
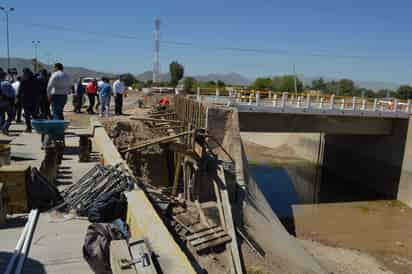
x=190 y=111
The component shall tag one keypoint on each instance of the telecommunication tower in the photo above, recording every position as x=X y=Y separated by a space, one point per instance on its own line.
x=156 y=64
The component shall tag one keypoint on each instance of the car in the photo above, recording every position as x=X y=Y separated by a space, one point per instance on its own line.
x=87 y=80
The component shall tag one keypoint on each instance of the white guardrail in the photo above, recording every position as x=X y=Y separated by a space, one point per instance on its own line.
x=308 y=104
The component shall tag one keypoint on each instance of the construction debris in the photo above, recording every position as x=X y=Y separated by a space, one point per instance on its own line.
x=94 y=185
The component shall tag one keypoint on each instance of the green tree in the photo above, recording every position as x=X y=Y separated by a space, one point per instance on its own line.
x=148 y=84
x=177 y=72
x=319 y=84
x=220 y=84
x=128 y=79
x=188 y=84
x=404 y=92
x=262 y=83
x=383 y=93
x=286 y=83
x=346 y=87
x=364 y=92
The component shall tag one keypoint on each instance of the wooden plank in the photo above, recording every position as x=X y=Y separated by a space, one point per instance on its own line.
x=230 y=226
x=155 y=120
x=14 y=178
x=162 y=114
x=216 y=242
x=204 y=233
x=157 y=141
x=219 y=204
x=180 y=222
x=208 y=238
x=178 y=168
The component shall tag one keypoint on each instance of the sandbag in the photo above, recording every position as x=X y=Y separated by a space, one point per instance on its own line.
x=41 y=194
x=96 y=248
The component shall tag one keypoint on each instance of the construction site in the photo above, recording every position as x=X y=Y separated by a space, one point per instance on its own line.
x=170 y=191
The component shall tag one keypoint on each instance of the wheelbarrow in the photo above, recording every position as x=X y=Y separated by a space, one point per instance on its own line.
x=50 y=129
x=52 y=132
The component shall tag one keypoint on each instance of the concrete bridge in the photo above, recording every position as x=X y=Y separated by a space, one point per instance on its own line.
x=355 y=147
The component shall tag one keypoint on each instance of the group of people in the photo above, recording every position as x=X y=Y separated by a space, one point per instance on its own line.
x=33 y=94
x=102 y=90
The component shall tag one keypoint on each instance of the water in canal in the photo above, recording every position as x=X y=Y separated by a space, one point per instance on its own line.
x=277 y=187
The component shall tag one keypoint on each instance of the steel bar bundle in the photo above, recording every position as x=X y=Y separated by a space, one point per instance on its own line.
x=93 y=185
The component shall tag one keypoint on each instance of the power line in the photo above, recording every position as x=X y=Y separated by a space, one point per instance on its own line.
x=191 y=45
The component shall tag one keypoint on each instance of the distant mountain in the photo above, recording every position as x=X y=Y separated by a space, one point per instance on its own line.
x=74 y=72
x=148 y=75
x=228 y=78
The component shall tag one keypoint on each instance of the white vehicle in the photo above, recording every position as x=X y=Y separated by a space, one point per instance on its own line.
x=87 y=80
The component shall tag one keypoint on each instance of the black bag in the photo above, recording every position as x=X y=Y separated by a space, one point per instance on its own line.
x=109 y=207
x=40 y=193
x=96 y=248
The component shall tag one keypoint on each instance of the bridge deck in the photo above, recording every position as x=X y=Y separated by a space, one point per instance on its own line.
x=313 y=108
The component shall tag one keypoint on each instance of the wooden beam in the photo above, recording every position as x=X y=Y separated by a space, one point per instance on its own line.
x=230 y=226
x=177 y=174
x=155 y=120
x=156 y=141
x=162 y=114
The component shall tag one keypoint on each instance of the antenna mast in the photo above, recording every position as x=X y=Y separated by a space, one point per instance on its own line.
x=156 y=64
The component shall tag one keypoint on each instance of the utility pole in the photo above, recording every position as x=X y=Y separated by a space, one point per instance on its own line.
x=295 y=80
x=35 y=43
x=7 y=11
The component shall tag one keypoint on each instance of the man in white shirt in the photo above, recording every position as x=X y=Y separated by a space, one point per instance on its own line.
x=58 y=88
x=118 y=90
x=18 y=106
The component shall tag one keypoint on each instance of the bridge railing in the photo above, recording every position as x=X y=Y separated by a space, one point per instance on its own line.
x=309 y=102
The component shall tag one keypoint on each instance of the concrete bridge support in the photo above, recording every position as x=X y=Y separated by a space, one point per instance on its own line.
x=361 y=167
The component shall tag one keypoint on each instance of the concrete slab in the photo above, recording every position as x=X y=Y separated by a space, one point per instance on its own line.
x=56 y=246
x=58 y=240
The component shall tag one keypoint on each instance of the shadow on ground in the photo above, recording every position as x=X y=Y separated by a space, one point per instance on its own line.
x=31 y=266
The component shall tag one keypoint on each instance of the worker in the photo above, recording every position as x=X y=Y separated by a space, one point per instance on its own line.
x=91 y=91
x=163 y=103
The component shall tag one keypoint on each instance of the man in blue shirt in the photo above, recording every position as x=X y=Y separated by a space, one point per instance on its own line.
x=105 y=91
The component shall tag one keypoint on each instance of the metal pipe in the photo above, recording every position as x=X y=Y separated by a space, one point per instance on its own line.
x=27 y=242
x=17 y=250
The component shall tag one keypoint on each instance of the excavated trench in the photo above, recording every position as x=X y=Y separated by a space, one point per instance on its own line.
x=155 y=168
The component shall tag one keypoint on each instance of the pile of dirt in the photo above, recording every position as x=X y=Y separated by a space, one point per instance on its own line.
x=125 y=132
x=149 y=164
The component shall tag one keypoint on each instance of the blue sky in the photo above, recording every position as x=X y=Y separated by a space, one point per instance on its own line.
x=364 y=39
